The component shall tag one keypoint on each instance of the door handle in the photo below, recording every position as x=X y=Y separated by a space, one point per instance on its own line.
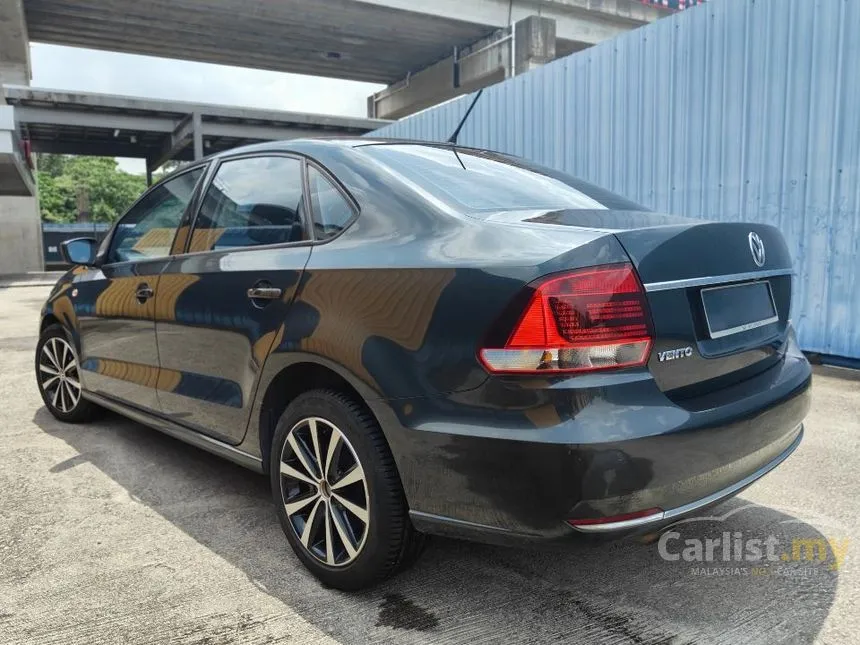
x=144 y=292
x=264 y=293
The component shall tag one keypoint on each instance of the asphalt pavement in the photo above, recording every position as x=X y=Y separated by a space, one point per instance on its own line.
x=115 y=533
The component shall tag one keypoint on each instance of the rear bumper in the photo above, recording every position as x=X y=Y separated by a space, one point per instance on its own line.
x=679 y=512
x=512 y=461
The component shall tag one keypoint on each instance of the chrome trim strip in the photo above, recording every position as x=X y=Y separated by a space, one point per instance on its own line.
x=745 y=327
x=740 y=328
x=699 y=503
x=450 y=520
x=714 y=279
x=619 y=526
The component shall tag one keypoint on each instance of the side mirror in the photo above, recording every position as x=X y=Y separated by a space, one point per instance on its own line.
x=81 y=250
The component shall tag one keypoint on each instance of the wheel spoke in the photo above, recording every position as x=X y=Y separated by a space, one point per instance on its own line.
x=292 y=507
x=360 y=513
x=343 y=531
x=65 y=355
x=353 y=476
x=333 y=444
x=56 y=396
x=49 y=349
x=73 y=399
x=312 y=424
x=289 y=471
x=71 y=367
x=306 y=533
x=48 y=383
x=62 y=390
x=49 y=370
x=73 y=382
x=329 y=546
x=301 y=454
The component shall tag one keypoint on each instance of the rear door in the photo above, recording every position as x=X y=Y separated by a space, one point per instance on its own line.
x=116 y=303
x=230 y=291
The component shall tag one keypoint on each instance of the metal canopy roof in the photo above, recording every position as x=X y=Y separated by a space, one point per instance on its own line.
x=121 y=126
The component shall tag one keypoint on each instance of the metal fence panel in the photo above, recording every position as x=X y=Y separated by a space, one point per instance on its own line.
x=732 y=110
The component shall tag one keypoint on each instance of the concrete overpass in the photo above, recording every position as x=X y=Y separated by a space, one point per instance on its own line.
x=155 y=130
x=388 y=41
x=427 y=51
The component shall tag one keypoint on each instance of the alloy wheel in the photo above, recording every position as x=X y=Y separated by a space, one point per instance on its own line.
x=324 y=491
x=58 y=374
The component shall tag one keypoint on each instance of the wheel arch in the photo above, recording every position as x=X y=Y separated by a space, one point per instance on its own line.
x=48 y=320
x=294 y=379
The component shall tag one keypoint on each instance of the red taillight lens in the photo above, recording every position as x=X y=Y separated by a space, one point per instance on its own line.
x=590 y=319
x=636 y=517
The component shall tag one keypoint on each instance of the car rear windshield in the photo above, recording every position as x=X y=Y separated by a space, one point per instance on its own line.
x=475 y=181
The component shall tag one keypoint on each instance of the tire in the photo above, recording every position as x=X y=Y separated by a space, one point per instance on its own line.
x=361 y=481
x=58 y=378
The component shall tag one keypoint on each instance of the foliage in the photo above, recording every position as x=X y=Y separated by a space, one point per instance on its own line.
x=64 y=179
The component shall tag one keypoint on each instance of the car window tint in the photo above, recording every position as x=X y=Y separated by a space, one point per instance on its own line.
x=251 y=202
x=473 y=182
x=331 y=211
x=147 y=230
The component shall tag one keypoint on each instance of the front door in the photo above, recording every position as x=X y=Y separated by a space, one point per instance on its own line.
x=245 y=256
x=116 y=302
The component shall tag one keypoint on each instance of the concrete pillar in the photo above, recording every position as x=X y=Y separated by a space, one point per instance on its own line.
x=20 y=235
x=534 y=43
x=20 y=224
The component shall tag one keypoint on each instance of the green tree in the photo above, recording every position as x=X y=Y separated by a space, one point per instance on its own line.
x=110 y=190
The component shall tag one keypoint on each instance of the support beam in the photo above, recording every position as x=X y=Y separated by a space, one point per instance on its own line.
x=100 y=148
x=114 y=103
x=584 y=21
x=197 y=135
x=174 y=144
x=253 y=132
x=79 y=118
x=531 y=42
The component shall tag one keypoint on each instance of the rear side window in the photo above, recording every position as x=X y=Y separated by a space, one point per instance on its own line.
x=251 y=202
x=474 y=181
x=331 y=211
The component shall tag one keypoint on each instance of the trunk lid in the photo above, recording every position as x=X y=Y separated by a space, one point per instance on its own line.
x=718 y=316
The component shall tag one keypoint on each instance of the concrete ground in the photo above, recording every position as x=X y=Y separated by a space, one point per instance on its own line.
x=114 y=533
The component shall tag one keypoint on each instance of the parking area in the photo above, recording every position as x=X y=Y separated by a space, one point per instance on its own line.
x=115 y=533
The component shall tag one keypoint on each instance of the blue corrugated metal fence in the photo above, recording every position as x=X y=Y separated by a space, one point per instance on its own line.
x=732 y=110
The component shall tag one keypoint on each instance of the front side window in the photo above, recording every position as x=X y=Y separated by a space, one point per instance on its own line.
x=331 y=211
x=251 y=202
x=147 y=230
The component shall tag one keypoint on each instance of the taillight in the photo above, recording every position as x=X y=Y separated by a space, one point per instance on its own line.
x=585 y=320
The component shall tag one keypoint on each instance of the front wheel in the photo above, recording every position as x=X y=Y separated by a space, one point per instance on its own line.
x=337 y=492
x=58 y=377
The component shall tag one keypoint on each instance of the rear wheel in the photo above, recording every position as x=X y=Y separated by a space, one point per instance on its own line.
x=337 y=492
x=58 y=377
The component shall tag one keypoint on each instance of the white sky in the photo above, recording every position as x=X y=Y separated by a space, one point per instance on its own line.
x=88 y=70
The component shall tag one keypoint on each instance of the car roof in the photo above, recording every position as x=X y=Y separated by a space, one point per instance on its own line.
x=327 y=142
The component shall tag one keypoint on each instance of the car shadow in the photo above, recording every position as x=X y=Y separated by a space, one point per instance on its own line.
x=619 y=592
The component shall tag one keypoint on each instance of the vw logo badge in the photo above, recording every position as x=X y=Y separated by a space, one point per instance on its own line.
x=757 y=249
